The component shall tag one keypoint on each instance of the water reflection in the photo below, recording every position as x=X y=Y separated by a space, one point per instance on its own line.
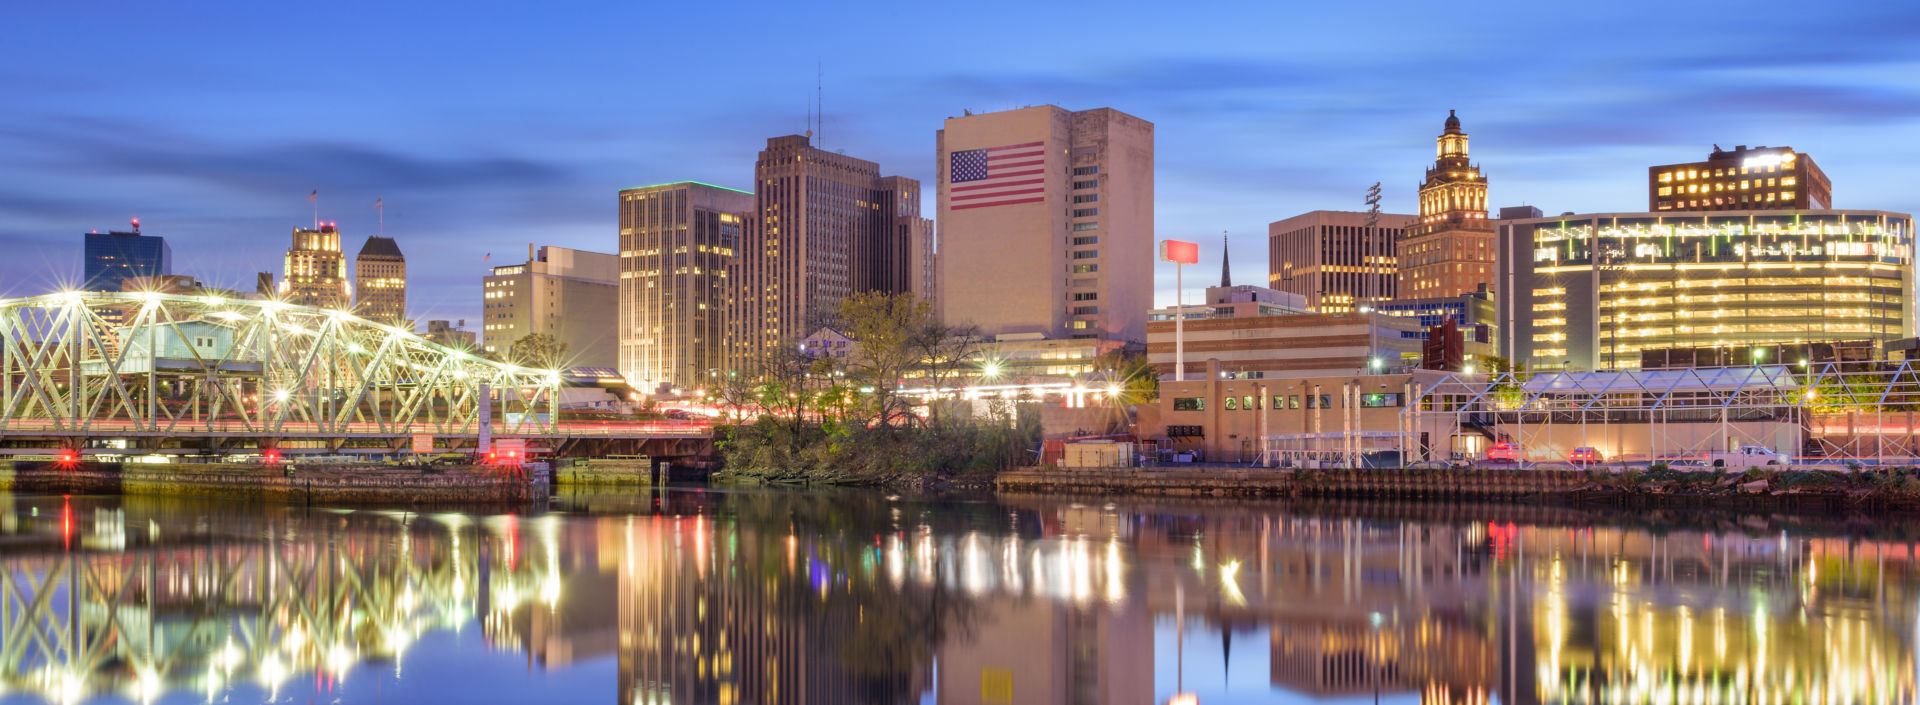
x=704 y=597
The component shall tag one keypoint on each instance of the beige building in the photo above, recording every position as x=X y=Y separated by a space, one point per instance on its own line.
x=1262 y=346
x=1305 y=416
x=571 y=295
x=677 y=245
x=825 y=226
x=316 y=269
x=451 y=334
x=1449 y=250
x=1046 y=222
x=1333 y=259
x=380 y=282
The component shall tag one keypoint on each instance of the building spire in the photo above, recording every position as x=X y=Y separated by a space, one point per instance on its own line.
x=1226 y=272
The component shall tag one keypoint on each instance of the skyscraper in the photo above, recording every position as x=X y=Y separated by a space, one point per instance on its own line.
x=380 y=282
x=677 y=243
x=316 y=270
x=825 y=226
x=1448 y=250
x=569 y=295
x=1334 y=259
x=111 y=257
x=1046 y=222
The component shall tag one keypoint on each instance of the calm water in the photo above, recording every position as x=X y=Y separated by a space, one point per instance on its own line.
x=712 y=597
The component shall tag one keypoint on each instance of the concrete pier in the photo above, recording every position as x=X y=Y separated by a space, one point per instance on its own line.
x=360 y=485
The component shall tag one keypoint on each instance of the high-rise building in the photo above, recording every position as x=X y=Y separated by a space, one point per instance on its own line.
x=1334 y=259
x=380 y=282
x=111 y=257
x=677 y=245
x=825 y=226
x=450 y=334
x=1448 y=250
x=569 y=295
x=316 y=269
x=1046 y=222
x=1762 y=178
x=1597 y=289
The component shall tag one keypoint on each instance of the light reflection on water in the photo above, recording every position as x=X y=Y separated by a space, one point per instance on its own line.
x=762 y=597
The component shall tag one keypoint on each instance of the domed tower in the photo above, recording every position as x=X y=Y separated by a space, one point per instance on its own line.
x=1448 y=251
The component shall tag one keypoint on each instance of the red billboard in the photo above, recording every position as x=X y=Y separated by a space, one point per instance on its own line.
x=1177 y=251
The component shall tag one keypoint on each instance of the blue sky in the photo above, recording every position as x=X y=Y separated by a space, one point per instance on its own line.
x=486 y=126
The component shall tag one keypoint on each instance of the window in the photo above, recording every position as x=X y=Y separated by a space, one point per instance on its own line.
x=1293 y=401
x=1085 y=254
x=1085 y=170
x=1379 y=400
x=1326 y=401
x=201 y=341
x=1086 y=184
x=1085 y=268
x=1086 y=198
x=1249 y=403
x=1086 y=296
x=1083 y=310
x=1083 y=227
x=1085 y=212
x=1087 y=240
x=1189 y=403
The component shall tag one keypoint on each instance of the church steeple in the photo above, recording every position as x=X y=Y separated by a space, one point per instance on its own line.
x=1226 y=271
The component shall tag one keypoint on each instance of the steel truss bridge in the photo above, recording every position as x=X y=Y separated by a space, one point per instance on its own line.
x=138 y=373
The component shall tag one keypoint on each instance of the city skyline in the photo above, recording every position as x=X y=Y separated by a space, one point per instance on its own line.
x=192 y=122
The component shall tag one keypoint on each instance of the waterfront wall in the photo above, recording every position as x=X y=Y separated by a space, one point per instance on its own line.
x=301 y=484
x=1274 y=482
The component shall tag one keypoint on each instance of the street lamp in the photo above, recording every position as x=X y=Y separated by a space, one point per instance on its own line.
x=991 y=370
x=1374 y=363
x=1758 y=355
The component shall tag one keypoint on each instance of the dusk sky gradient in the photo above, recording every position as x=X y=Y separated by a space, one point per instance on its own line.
x=486 y=126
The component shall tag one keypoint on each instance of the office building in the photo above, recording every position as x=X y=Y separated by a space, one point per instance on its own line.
x=569 y=295
x=825 y=226
x=380 y=282
x=1448 y=250
x=111 y=257
x=1046 y=222
x=1761 y=178
x=451 y=334
x=677 y=243
x=316 y=270
x=1334 y=259
x=1263 y=346
x=1594 y=290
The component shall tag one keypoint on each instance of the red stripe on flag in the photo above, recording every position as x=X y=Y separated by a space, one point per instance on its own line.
x=996 y=203
x=991 y=150
x=996 y=194
x=1026 y=172
x=976 y=187
x=1010 y=165
x=1016 y=155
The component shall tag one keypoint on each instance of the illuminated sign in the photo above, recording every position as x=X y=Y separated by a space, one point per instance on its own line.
x=1178 y=251
x=1760 y=161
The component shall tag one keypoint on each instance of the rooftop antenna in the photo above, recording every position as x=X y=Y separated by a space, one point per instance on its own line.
x=809 y=126
x=819 y=98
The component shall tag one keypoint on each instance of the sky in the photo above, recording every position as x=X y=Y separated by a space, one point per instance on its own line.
x=485 y=126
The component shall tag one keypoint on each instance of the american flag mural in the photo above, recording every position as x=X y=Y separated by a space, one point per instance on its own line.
x=996 y=176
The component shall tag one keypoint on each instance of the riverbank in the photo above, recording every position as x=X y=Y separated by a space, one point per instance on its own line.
x=1753 y=490
x=341 y=485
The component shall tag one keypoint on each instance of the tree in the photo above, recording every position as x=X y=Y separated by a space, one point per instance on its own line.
x=945 y=354
x=885 y=328
x=539 y=351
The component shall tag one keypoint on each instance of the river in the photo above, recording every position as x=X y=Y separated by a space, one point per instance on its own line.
x=692 y=596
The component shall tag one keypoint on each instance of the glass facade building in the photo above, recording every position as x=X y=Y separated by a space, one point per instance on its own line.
x=677 y=248
x=113 y=257
x=1593 y=291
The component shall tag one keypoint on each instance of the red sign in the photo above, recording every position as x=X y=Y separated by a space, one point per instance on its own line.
x=1177 y=251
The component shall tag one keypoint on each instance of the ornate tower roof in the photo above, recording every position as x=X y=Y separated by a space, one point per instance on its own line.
x=1453 y=123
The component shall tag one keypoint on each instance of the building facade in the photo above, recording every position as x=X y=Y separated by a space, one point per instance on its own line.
x=1594 y=290
x=570 y=295
x=111 y=257
x=1741 y=179
x=1046 y=222
x=825 y=226
x=677 y=247
x=1449 y=249
x=451 y=334
x=1259 y=346
x=1334 y=259
x=380 y=282
x=316 y=270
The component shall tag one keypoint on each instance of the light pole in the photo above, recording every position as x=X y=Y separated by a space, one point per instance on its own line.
x=1179 y=253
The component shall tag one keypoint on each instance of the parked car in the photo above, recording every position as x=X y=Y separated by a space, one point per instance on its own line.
x=1585 y=455
x=1504 y=452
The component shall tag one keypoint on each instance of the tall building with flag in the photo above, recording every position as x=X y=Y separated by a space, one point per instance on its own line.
x=1448 y=250
x=316 y=269
x=825 y=226
x=1046 y=223
x=380 y=282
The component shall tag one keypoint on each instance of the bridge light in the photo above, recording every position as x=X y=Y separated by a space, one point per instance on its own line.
x=990 y=370
x=1113 y=390
x=280 y=395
